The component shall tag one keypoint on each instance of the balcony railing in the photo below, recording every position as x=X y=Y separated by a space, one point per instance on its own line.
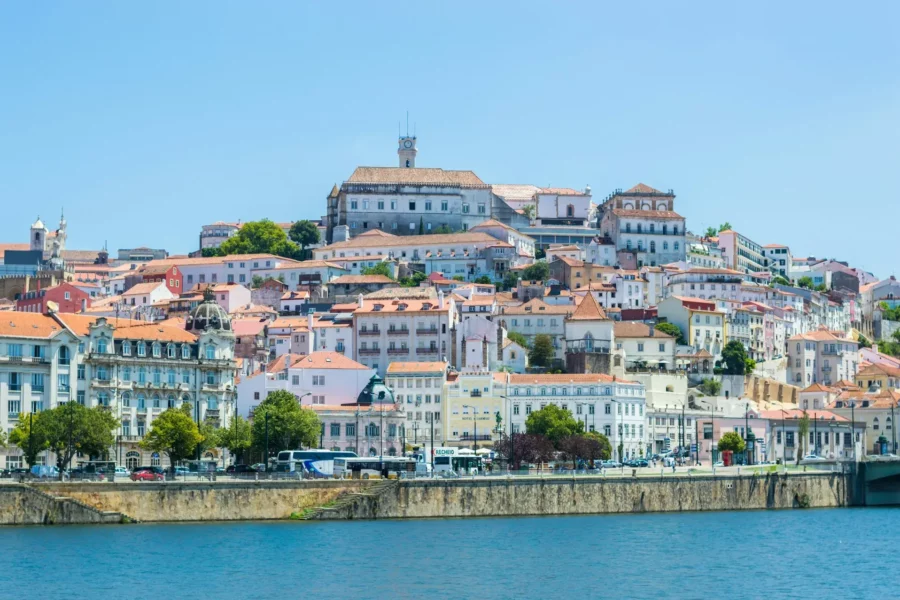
x=369 y=332
x=370 y=350
x=398 y=350
x=431 y=331
x=485 y=437
x=426 y=350
x=398 y=331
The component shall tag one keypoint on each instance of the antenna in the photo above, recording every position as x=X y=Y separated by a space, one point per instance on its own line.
x=407 y=123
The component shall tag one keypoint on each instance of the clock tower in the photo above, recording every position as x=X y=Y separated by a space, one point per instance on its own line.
x=407 y=151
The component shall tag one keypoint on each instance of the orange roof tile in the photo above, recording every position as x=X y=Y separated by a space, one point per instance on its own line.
x=526 y=378
x=396 y=368
x=588 y=310
x=536 y=306
x=642 y=188
x=28 y=325
x=360 y=279
x=327 y=360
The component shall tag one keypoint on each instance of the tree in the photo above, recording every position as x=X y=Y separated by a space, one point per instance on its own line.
x=803 y=434
x=749 y=366
x=724 y=227
x=510 y=280
x=863 y=341
x=541 y=353
x=260 y=237
x=484 y=280
x=539 y=271
x=732 y=441
x=711 y=232
x=236 y=437
x=554 y=423
x=304 y=233
x=735 y=357
x=528 y=211
x=673 y=330
x=256 y=281
x=209 y=252
x=805 y=282
x=599 y=448
x=381 y=268
x=71 y=428
x=290 y=425
x=778 y=279
x=518 y=338
x=413 y=280
x=443 y=229
x=458 y=278
x=710 y=387
x=31 y=436
x=209 y=435
x=421 y=225
x=821 y=288
x=174 y=433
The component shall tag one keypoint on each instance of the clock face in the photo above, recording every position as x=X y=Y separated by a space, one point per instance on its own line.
x=407 y=144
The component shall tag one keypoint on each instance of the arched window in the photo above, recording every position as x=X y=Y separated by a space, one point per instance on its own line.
x=186 y=399
x=170 y=401
x=185 y=351
x=141 y=401
x=157 y=349
x=628 y=244
x=154 y=459
x=132 y=460
x=63 y=357
x=126 y=400
x=665 y=229
x=675 y=246
x=640 y=228
x=102 y=346
x=126 y=348
x=142 y=349
x=157 y=402
x=875 y=424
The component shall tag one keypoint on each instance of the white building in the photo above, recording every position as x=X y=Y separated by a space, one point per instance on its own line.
x=146 y=294
x=535 y=317
x=643 y=220
x=821 y=357
x=419 y=388
x=644 y=346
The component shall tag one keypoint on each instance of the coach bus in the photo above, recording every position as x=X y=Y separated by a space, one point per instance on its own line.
x=313 y=463
x=373 y=466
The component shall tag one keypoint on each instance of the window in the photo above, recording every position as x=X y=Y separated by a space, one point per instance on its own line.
x=412 y=205
x=79 y=396
x=63 y=357
x=37 y=382
x=210 y=352
x=318 y=380
x=444 y=205
x=142 y=349
x=80 y=373
x=170 y=351
x=102 y=345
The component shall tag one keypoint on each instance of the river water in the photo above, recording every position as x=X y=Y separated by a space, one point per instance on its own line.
x=837 y=553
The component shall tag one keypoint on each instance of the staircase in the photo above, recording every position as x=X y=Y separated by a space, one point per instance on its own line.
x=64 y=510
x=344 y=505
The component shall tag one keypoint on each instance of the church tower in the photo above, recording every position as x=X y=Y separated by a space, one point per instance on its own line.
x=38 y=236
x=407 y=151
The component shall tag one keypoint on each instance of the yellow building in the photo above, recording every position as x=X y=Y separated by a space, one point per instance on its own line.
x=883 y=376
x=471 y=404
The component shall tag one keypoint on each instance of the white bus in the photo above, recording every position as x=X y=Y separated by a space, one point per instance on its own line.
x=459 y=460
x=372 y=466
x=315 y=463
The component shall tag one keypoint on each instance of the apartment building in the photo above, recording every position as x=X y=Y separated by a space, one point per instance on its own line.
x=419 y=388
x=536 y=316
x=741 y=253
x=821 y=357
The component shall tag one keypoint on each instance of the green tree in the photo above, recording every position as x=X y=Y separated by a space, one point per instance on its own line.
x=864 y=342
x=735 y=357
x=510 y=280
x=821 y=288
x=889 y=313
x=381 y=268
x=539 y=271
x=209 y=438
x=458 y=278
x=778 y=279
x=421 y=225
x=805 y=282
x=731 y=440
x=71 y=428
x=174 y=433
x=554 y=423
x=256 y=281
x=603 y=451
x=443 y=229
x=413 y=280
x=724 y=227
x=31 y=436
x=260 y=237
x=802 y=434
x=673 y=330
x=710 y=387
x=528 y=211
x=305 y=234
x=484 y=280
x=518 y=338
x=290 y=425
x=541 y=353
x=711 y=232
x=749 y=366
x=209 y=252
x=236 y=437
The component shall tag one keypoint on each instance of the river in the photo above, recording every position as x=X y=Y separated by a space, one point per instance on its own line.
x=835 y=553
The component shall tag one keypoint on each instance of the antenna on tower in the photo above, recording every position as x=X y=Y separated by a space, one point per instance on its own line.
x=407 y=123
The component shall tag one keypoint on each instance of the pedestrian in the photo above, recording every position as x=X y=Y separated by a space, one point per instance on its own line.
x=673 y=466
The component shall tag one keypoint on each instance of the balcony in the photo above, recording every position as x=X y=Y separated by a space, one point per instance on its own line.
x=369 y=332
x=398 y=350
x=398 y=331
x=369 y=351
x=432 y=331
x=427 y=350
x=12 y=359
x=481 y=437
x=130 y=438
x=212 y=413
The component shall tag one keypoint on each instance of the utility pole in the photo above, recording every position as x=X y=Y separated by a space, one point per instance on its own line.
x=266 y=457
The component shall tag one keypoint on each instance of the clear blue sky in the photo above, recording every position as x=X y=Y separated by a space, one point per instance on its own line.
x=146 y=120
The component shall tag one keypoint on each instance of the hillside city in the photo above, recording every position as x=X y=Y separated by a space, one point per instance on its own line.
x=429 y=309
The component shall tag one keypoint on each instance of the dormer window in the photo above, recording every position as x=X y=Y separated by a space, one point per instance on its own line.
x=157 y=350
x=185 y=351
x=401 y=306
x=142 y=349
x=170 y=351
x=102 y=346
x=126 y=348
x=378 y=307
x=426 y=306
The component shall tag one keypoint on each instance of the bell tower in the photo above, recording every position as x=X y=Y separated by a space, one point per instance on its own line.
x=407 y=151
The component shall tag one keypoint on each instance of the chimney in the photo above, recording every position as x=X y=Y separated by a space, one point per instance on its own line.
x=359 y=301
x=84 y=305
x=309 y=322
x=440 y=298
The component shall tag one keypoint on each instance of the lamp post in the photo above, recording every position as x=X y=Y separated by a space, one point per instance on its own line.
x=416 y=432
x=853 y=428
x=783 y=442
x=893 y=431
x=266 y=457
x=512 y=438
x=475 y=423
x=620 y=446
x=356 y=430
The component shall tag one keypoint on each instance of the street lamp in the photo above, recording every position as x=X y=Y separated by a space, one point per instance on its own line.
x=783 y=441
x=475 y=423
x=512 y=439
x=620 y=445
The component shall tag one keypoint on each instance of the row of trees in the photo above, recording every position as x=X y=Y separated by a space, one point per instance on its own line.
x=71 y=428
x=552 y=433
x=266 y=237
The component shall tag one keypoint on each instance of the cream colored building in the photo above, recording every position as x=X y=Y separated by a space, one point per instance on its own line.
x=473 y=401
x=419 y=388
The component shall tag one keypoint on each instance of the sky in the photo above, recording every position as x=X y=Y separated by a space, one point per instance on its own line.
x=144 y=121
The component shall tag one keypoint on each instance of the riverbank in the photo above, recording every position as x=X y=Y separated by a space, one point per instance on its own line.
x=416 y=499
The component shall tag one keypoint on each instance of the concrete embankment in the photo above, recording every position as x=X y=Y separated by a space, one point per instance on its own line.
x=482 y=497
x=494 y=497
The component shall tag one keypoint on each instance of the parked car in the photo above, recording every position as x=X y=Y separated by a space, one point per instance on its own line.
x=611 y=464
x=240 y=469
x=146 y=475
x=812 y=458
x=122 y=472
x=640 y=462
x=182 y=471
x=44 y=472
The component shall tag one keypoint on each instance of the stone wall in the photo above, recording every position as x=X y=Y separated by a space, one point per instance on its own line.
x=220 y=501
x=564 y=496
x=24 y=505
